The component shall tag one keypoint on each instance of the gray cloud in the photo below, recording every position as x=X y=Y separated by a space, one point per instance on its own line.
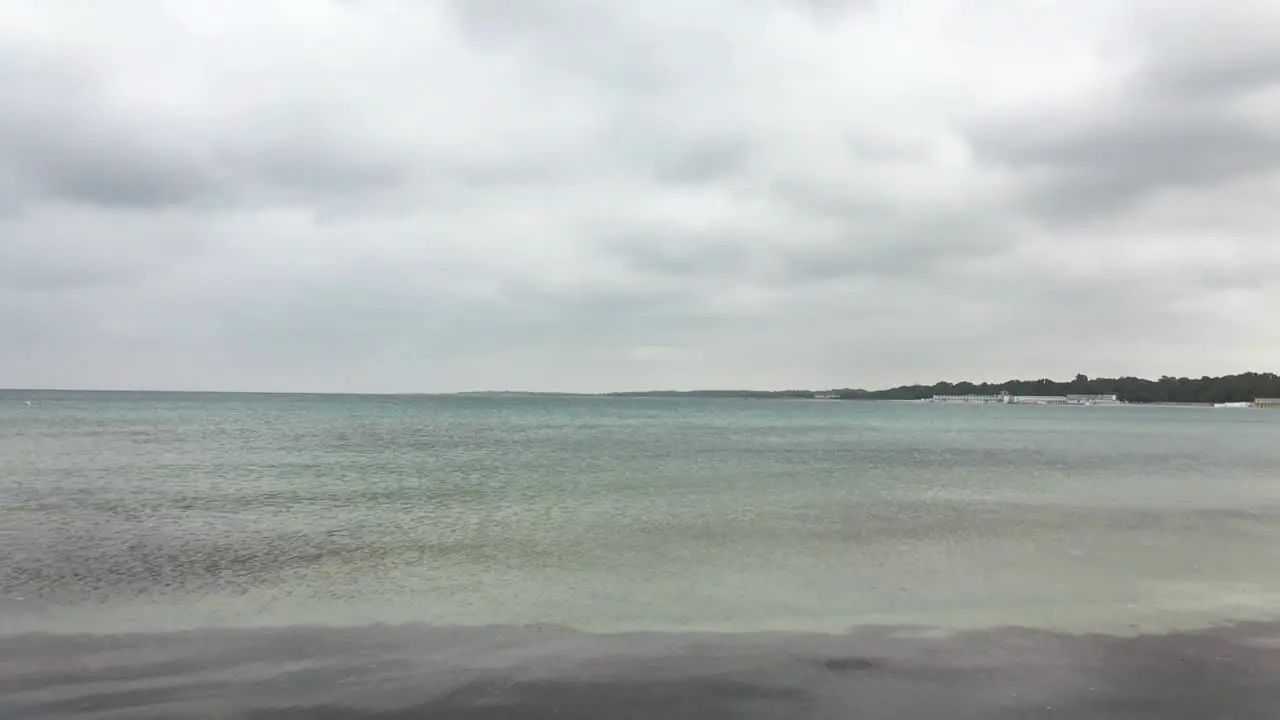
x=579 y=195
x=913 y=248
x=1100 y=165
x=1212 y=53
x=829 y=9
x=66 y=137
x=701 y=161
x=1219 y=78
x=1178 y=120
x=59 y=140
x=683 y=254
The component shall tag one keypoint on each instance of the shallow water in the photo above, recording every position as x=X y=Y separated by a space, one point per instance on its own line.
x=165 y=525
x=472 y=673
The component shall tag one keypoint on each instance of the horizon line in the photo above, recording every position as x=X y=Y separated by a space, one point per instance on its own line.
x=602 y=393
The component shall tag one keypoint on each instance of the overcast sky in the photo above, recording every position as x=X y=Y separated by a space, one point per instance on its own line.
x=396 y=195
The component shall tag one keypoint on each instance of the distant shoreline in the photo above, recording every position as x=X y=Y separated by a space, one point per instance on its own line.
x=1167 y=391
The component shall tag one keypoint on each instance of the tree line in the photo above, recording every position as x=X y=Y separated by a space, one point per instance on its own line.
x=1243 y=387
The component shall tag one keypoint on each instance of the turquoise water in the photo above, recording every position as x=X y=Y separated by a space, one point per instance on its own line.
x=156 y=512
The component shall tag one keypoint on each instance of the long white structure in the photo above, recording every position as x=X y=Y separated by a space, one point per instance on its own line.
x=1005 y=398
x=1039 y=399
x=1093 y=400
x=970 y=399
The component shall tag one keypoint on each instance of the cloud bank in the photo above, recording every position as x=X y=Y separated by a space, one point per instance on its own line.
x=383 y=195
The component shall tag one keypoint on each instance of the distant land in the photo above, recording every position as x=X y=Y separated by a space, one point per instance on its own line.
x=517 y=393
x=1244 y=387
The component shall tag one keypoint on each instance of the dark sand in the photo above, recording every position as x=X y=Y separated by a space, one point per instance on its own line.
x=455 y=674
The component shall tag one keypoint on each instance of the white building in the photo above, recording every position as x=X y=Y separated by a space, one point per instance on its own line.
x=971 y=399
x=1093 y=399
x=1006 y=398
x=1040 y=400
x=1267 y=403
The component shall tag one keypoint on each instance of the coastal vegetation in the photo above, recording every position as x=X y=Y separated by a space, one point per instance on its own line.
x=1243 y=387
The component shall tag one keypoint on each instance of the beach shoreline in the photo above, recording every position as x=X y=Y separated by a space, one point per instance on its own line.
x=1230 y=672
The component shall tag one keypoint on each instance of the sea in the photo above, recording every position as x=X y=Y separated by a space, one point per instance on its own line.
x=174 y=555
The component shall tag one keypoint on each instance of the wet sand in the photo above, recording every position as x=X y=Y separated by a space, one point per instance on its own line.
x=398 y=672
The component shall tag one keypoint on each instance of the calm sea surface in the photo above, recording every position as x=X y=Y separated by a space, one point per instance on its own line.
x=210 y=530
